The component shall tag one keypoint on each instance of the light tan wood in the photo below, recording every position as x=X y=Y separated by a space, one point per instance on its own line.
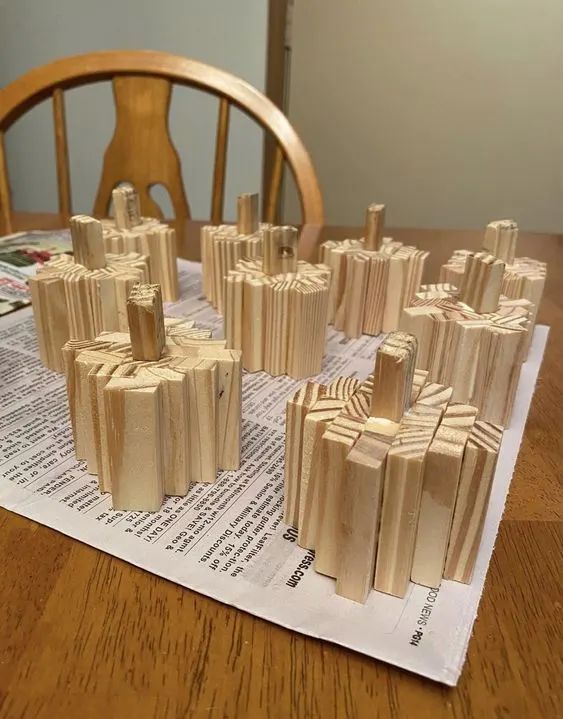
x=129 y=232
x=87 y=242
x=524 y=278
x=482 y=282
x=370 y=298
x=478 y=354
x=247 y=214
x=362 y=491
x=296 y=412
x=253 y=330
x=234 y=288
x=202 y=384
x=135 y=458
x=142 y=82
x=357 y=274
x=71 y=301
x=375 y=294
x=175 y=426
x=222 y=249
x=337 y=441
x=279 y=321
x=51 y=319
x=401 y=498
x=280 y=250
x=498 y=375
x=501 y=237
x=61 y=154
x=393 y=376
x=396 y=284
x=514 y=671
x=200 y=394
x=97 y=381
x=228 y=404
x=146 y=322
x=320 y=415
x=126 y=207
x=439 y=491
x=375 y=222
x=477 y=472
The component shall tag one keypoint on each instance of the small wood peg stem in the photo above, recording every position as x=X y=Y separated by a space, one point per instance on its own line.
x=126 y=207
x=280 y=250
x=247 y=214
x=146 y=322
x=482 y=282
x=375 y=222
x=87 y=242
x=394 y=370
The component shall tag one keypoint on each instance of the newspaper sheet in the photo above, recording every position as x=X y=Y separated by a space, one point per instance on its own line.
x=20 y=256
x=228 y=540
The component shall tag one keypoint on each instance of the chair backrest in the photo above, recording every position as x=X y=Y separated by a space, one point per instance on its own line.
x=142 y=84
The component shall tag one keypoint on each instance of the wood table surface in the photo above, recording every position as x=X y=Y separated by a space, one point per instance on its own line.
x=83 y=634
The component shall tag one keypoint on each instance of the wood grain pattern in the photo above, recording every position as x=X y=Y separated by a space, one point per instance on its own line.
x=77 y=625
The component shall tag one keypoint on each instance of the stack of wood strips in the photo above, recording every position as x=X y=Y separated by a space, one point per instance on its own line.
x=388 y=480
x=523 y=278
x=82 y=296
x=127 y=231
x=275 y=308
x=373 y=279
x=222 y=246
x=155 y=409
x=478 y=354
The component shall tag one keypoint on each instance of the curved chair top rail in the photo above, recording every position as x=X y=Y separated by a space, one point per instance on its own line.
x=36 y=85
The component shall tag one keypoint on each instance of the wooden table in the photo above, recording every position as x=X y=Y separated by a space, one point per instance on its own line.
x=84 y=634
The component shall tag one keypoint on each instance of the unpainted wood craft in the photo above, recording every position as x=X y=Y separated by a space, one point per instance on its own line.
x=128 y=231
x=378 y=480
x=275 y=307
x=222 y=246
x=373 y=278
x=156 y=408
x=478 y=353
x=79 y=297
x=523 y=278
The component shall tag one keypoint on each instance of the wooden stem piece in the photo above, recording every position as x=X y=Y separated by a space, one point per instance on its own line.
x=394 y=370
x=375 y=222
x=87 y=242
x=482 y=282
x=126 y=207
x=280 y=250
x=500 y=240
x=247 y=214
x=146 y=322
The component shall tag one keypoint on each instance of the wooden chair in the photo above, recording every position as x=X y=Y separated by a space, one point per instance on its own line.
x=142 y=85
